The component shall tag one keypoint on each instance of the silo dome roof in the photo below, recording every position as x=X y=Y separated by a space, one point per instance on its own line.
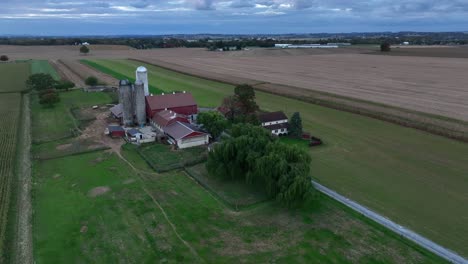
x=141 y=69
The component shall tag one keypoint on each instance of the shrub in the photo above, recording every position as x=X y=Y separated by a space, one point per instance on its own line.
x=92 y=81
x=385 y=47
x=4 y=58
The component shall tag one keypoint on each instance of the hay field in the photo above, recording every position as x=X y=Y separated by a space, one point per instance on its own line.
x=427 y=84
x=431 y=85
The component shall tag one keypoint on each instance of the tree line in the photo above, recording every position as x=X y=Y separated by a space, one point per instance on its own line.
x=47 y=88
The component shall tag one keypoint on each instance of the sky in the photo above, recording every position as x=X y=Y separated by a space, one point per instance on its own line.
x=155 y=17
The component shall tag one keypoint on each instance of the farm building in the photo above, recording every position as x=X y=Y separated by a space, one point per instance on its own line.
x=181 y=103
x=165 y=118
x=185 y=135
x=116 y=111
x=276 y=122
x=115 y=131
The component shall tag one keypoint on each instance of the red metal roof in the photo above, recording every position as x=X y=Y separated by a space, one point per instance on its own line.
x=167 y=117
x=179 y=130
x=163 y=101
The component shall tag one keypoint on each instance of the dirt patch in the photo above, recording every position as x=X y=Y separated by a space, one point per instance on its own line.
x=83 y=229
x=98 y=191
x=63 y=146
x=56 y=176
x=129 y=181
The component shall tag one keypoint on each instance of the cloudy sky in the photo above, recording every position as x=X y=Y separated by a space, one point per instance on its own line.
x=94 y=17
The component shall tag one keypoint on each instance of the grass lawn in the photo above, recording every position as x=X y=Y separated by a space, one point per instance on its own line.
x=162 y=158
x=414 y=178
x=235 y=193
x=13 y=76
x=304 y=144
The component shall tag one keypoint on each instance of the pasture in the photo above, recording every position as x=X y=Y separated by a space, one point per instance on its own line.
x=95 y=208
x=43 y=66
x=412 y=177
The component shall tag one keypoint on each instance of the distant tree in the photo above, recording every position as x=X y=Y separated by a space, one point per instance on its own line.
x=49 y=97
x=213 y=122
x=295 y=125
x=385 y=47
x=92 y=81
x=230 y=107
x=41 y=81
x=64 y=85
x=84 y=49
x=4 y=58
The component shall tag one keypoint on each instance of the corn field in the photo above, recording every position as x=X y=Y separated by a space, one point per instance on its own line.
x=9 y=121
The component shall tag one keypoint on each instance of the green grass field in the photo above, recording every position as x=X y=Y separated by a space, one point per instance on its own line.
x=207 y=93
x=75 y=222
x=236 y=194
x=57 y=122
x=134 y=219
x=414 y=178
x=13 y=76
x=162 y=158
x=43 y=66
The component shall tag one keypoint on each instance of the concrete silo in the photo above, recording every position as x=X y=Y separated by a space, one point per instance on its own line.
x=140 y=106
x=126 y=97
x=142 y=75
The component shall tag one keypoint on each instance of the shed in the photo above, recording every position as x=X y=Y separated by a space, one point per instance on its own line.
x=116 y=131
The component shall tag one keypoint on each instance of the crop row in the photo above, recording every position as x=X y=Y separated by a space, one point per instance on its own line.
x=9 y=120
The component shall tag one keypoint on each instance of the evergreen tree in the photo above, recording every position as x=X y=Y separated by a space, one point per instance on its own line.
x=295 y=125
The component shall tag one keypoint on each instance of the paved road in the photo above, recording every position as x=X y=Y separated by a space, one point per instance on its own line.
x=420 y=240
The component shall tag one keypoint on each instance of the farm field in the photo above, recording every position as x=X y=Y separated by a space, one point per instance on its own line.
x=10 y=112
x=94 y=207
x=43 y=66
x=430 y=85
x=13 y=77
x=416 y=179
x=428 y=80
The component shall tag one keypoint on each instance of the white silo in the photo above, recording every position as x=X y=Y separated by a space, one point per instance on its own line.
x=140 y=107
x=142 y=76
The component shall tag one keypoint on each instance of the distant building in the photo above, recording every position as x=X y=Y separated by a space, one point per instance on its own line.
x=181 y=103
x=185 y=135
x=276 y=122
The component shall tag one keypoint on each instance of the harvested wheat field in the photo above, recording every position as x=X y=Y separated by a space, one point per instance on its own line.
x=431 y=85
x=435 y=85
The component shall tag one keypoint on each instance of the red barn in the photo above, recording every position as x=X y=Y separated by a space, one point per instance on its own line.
x=181 y=103
x=167 y=117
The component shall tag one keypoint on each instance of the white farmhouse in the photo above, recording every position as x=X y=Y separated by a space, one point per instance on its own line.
x=276 y=122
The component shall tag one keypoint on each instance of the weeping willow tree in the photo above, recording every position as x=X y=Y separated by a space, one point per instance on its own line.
x=253 y=156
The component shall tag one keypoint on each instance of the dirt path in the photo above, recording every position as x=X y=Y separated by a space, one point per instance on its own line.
x=23 y=246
